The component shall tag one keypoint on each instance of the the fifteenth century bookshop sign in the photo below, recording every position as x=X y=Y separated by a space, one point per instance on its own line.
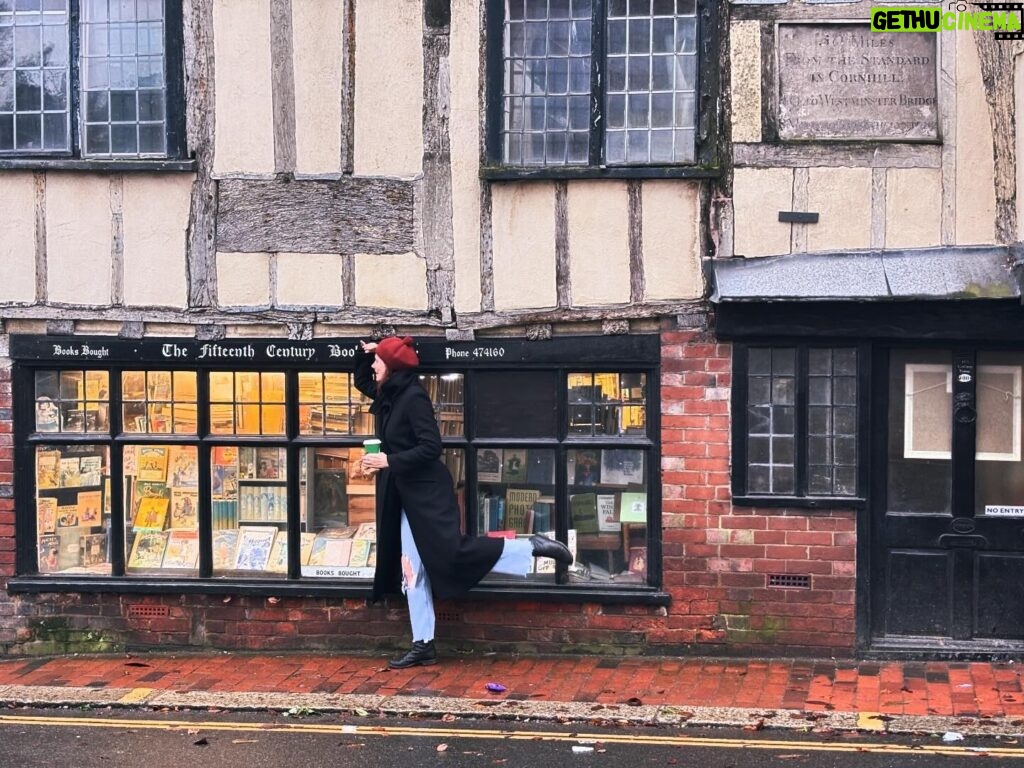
x=843 y=81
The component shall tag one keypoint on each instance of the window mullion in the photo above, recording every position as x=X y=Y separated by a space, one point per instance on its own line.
x=802 y=400
x=74 y=76
x=597 y=75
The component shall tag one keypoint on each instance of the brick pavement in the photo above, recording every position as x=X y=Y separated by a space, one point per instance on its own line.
x=944 y=689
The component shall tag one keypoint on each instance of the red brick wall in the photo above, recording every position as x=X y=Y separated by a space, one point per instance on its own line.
x=717 y=557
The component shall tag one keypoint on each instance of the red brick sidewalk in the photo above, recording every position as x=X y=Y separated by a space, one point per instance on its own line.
x=895 y=688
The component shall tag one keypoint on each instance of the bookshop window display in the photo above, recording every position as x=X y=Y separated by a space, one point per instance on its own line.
x=150 y=472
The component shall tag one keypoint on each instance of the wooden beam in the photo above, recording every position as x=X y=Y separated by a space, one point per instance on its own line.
x=346 y=216
x=282 y=85
x=201 y=255
x=436 y=207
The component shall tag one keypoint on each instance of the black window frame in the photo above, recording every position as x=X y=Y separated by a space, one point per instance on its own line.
x=800 y=497
x=600 y=354
x=708 y=99
x=176 y=159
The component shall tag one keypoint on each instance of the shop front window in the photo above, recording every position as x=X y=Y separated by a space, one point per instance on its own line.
x=249 y=474
x=72 y=504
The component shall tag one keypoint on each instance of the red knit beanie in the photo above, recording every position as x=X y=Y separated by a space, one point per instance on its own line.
x=397 y=353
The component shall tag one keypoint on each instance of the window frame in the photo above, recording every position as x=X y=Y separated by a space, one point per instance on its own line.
x=619 y=354
x=800 y=497
x=706 y=161
x=176 y=158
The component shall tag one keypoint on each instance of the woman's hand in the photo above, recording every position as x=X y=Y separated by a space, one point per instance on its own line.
x=368 y=346
x=373 y=462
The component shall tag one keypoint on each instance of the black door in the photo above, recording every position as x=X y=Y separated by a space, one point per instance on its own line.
x=948 y=502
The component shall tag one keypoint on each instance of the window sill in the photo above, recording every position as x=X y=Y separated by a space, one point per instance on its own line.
x=508 y=173
x=803 y=502
x=545 y=594
x=103 y=165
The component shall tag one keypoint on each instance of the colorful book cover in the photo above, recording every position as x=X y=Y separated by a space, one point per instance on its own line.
x=48 y=469
x=182 y=549
x=151 y=514
x=307 y=547
x=366 y=531
x=254 y=543
x=583 y=508
x=518 y=502
x=67 y=516
x=633 y=508
x=90 y=507
x=607 y=515
x=49 y=551
x=148 y=550
x=225 y=542
x=184 y=508
x=91 y=470
x=488 y=465
x=330 y=550
x=184 y=467
x=360 y=555
x=152 y=463
x=70 y=472
x=46 y=514
x=93 y=548
x=278 y=560
x=513 y=465
x=622 y=467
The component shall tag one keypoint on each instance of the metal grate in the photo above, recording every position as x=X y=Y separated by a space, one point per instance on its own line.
x=148 y=611
x=789 y=581
x=451 y=617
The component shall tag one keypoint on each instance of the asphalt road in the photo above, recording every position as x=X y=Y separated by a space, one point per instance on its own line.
x=118 y=738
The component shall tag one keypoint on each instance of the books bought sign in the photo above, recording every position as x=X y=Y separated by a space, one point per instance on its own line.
x=281 y=352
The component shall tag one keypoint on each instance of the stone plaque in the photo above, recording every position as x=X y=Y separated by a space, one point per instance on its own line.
x=843 y=81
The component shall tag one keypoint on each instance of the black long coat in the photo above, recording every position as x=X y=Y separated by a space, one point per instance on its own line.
x=417 y=481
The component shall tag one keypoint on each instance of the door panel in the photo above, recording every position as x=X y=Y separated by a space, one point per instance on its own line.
x=1000 y=596
x=918 y=593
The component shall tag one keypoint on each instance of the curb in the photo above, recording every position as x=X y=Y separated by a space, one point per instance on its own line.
x=674 y=716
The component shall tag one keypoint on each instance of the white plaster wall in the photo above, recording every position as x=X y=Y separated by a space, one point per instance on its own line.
x=598 y=242
x=244 y=137
x=397 y=281
x=842 y=197
x=913 y=207
x=671 y=227
x=18 y=237
x=975 y=167
x=464 y=133
x=745 y=55
x=758 y=196
x=78 y=238
x=243 y=279
x=309 y=279
x=155 y=213
x=389 y=88
x=317 y=30
x=523 y=215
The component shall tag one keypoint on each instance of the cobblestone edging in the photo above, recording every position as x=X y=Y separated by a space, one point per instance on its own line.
x=673 y=716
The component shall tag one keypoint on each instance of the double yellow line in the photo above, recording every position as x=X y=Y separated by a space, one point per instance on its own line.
x=604 y=738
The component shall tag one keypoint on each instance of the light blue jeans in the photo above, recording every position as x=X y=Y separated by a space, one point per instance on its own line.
x=514 y=561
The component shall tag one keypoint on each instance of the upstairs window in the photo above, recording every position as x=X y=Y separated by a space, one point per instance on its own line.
x=595 y=83
x=89 y=79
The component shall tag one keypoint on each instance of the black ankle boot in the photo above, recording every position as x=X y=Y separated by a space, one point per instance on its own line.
x=556 y=550
x=422 y=654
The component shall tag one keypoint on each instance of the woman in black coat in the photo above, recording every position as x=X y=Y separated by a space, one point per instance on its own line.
x=420 y=546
